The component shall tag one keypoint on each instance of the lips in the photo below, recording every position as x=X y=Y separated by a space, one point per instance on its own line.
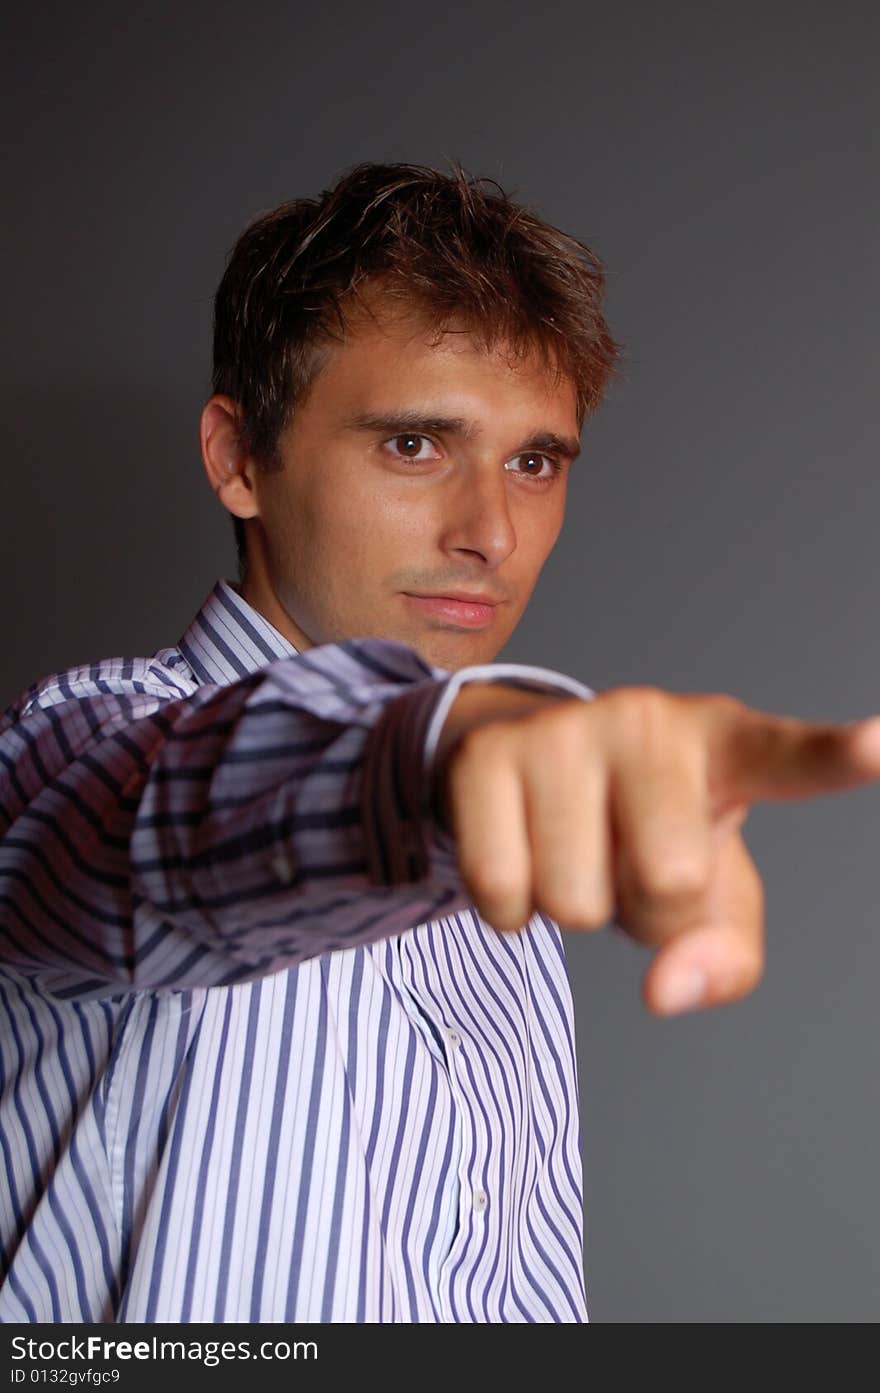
x=466 y=612
x=465 y=596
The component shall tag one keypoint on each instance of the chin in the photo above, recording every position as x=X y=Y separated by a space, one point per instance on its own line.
x=450 y=652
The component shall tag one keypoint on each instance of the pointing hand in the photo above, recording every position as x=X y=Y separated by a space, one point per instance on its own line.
x=629 y=807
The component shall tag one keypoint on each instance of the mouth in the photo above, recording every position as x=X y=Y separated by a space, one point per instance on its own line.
x=468 y=612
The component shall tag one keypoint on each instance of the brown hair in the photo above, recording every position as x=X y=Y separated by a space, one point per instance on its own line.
x=452 y=245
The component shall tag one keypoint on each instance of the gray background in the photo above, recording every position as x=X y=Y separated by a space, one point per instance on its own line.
x=722 y=159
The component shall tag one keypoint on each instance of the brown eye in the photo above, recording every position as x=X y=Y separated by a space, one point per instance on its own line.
x=535 y=464
x=409 y=444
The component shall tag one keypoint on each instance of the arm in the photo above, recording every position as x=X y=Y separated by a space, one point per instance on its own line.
x=158 y=841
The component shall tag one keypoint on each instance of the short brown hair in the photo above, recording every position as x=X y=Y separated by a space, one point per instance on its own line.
x=452 y=245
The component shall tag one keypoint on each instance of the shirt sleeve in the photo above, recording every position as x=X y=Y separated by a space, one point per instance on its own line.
x=155 y=841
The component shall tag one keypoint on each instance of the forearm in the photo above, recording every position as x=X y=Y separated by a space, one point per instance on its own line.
x=206 y=839
x=237 y=831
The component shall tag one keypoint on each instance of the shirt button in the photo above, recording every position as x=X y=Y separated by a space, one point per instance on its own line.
x=481 y=1200
x=281 y=865
x=453 y=1038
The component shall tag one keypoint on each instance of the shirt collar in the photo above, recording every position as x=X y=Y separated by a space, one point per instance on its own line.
x=229 y=639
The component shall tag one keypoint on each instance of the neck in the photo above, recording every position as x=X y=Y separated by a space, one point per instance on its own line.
x=256 y=588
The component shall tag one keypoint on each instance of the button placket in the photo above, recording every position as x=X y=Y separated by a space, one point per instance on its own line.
x=457 y=1078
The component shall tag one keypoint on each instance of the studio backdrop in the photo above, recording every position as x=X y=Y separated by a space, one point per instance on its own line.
x=723 y=516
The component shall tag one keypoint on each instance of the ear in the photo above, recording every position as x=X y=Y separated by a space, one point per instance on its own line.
x=229 y=468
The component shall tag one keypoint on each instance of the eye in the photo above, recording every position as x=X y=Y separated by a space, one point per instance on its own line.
x=409 y=446
x=534 y=459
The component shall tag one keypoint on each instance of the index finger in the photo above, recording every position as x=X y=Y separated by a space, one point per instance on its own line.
x=757 y=757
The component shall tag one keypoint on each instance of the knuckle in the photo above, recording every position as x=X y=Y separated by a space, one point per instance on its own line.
x=479 y=744
x=730 y=707
x=598 y=911
x=642 y=710
x=560 y=731
x=586 y=915
x=577 y=902
x=652 y=725
x=497 y=896
x=490 y=884
x=718 y=704
x=673 y=878
x=475 y=753
x=506 y=917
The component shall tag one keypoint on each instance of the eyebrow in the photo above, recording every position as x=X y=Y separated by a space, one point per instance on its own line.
x=397 y=422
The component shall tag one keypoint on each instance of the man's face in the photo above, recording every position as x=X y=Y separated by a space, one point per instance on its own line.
x=412 y=471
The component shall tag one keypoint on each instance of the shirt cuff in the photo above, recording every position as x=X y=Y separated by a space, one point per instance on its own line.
x=404 y=841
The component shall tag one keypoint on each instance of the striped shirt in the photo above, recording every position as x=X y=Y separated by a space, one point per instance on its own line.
x=260 y=1059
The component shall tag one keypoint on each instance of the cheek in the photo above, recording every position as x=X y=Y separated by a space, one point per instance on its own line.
x=372 y=518
x=538 y=528
x=358 y=533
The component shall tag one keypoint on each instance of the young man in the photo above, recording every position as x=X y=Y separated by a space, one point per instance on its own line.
x=267 y=1050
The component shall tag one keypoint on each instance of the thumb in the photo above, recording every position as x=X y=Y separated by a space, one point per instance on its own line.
x=721 y=958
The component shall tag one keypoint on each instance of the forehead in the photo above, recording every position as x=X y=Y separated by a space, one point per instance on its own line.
x=397 y=348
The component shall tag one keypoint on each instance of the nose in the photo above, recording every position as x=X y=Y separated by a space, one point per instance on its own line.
x=478 y=517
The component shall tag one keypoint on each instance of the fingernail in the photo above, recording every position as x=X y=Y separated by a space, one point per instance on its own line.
x=682 y=990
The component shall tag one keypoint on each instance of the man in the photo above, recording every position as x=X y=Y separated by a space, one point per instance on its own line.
x=287 y=1032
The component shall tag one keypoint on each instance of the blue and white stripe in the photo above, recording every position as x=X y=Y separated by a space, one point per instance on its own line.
x=260 y=1060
